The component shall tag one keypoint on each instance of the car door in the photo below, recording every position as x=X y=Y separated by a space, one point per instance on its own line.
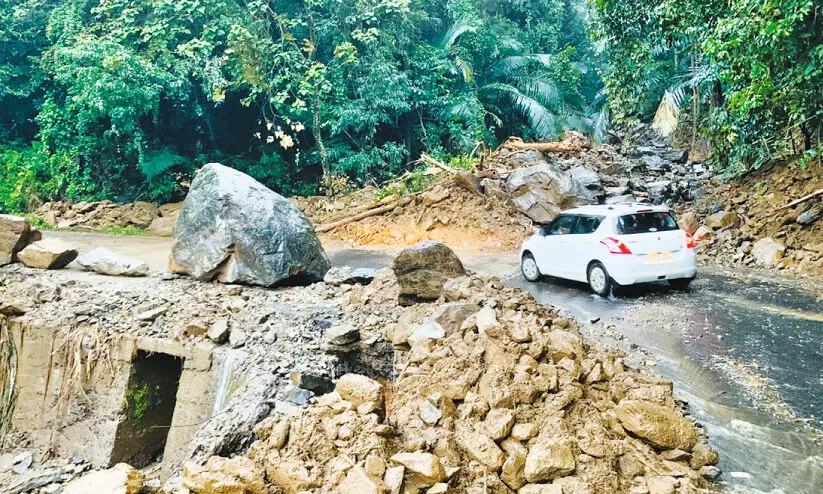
x=552 y=258
x=583 y=244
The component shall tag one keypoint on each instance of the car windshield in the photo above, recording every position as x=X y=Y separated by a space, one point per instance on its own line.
x=646 y=223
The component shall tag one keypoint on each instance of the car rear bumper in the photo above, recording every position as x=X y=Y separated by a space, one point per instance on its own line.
x=632 y=269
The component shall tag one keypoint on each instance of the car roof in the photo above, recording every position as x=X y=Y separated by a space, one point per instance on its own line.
x=616 y=209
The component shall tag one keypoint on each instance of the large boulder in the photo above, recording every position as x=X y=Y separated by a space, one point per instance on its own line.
x=768 y=251
x=233 y=229
x=163 y=226
x=50 y=253
x=15 y=235
x=722 y=219
x=102 y=260
x=119 y=479
x=660 y=426
x=689 y=221
x=423 y=269
x=541 y=192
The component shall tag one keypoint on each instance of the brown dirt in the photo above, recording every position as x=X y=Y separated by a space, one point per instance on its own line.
x=462 y=219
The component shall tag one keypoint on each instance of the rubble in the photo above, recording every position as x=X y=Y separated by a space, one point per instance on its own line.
x=98 y=215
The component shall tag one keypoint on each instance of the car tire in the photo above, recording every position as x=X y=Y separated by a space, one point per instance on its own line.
x=528 y=266
x=599 y=280
x=681 y=283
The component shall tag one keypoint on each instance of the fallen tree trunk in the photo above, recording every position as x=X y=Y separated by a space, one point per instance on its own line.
x=365 y=214
x=801 y=200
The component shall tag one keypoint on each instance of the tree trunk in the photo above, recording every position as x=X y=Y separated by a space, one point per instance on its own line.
x=321 y=146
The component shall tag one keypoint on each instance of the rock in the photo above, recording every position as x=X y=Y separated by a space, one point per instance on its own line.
x=487 y=321
x=119 y=479
x=359 y=389
x=151 y=314
x=768 y=252
x=394 y=479
x=439 y=488
x=48 y=254
x=659 y=191
x=523 y=432
x=423 y=269
x=689 y=222
x=512 y=473
x=358 y=482
x=424 y=469
x=548 y=460
x=237 y=475
x=710 y=472
x=703 y=455
x=494 y=188
x=171 y=209
x=32 y=480
x=102 y=260
x=344 y=275
x=163 y=226
x=480 y=447
x=451 y=316
x=233 y=229
x=468 y=181
x=541 y=192
x=315 y=382
x=655 y=163
x=661 y=426
x=498 y=423
x=540 y=489
x=703 y=233
x=676 y=155
x=722 y=219
x=429 y=413
x=21 y=462
x=341 y=334
x=15 y=235
x=219 y=331
x=429 y=330
x=659 y=484
x=237 y=338
x=811 y=215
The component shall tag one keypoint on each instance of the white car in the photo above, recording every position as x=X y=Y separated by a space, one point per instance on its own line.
x=610 y=246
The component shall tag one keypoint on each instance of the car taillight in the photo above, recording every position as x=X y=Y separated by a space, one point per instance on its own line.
x=615 y=246
x=689 y=241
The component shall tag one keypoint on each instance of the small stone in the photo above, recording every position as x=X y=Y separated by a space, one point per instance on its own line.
x=359 y=389
x=341 y=335
x=480 y=447
x=487 y=320
x=151 y=314
x=429 y=330
x=659 y=484
x=357 y=481
x=660 y=426
x=237 y=338
x=22 y=462
x=548 y=460
x=219 y=331
x=121 y=479
x=429 y=413
x=498 y=423
x=423 y=468
x=102 y=260
x=523 y=432
x=439 y=488
x=394 y=479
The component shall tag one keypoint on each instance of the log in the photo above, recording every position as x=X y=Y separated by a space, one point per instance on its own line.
x=517 y=144
x=365 y=214
x=425 y=158
x=802 y=200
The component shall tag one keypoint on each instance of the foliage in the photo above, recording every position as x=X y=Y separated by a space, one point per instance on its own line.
x=748 y=74
x=131 y=97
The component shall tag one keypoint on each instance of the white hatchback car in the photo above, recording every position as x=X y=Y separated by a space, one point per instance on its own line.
x=610 y=246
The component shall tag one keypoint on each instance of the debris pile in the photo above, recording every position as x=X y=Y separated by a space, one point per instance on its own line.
x=768 y=219
x=494 y=393
x=98 y=215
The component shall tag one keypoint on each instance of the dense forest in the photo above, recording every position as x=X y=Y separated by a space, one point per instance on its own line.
x=124 y=99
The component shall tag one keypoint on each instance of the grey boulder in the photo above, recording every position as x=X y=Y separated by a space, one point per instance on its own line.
x=541 y=191
x=102 y=260
x=423 y=269
x=233 y=229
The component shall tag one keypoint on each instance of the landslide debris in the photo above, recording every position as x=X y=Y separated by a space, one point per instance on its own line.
x=508 y=397
x=746 y=223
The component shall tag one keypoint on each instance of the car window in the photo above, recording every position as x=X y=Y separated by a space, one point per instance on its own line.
x=588 y=224
x=563 y=225
x=646 y=223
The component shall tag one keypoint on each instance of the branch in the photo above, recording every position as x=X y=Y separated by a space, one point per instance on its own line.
x=366 y=214
x=802 y=200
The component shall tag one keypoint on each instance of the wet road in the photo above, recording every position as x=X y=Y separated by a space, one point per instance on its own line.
x=744 y=351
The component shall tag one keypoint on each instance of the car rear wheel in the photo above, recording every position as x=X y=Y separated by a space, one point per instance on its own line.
x=681 y=283
x=599 y=280
x=529 y=267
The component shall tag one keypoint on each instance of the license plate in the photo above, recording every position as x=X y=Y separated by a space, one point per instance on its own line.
x=660 y=256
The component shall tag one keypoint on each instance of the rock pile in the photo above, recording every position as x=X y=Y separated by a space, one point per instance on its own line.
x=233 y=229
x=509 y=398
x=98 y=215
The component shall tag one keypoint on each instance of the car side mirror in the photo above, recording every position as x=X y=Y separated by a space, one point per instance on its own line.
x=544 y=230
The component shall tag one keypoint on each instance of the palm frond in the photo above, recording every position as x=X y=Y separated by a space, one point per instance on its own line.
x=541 y=120
x=461 y=25
x=465 y=69
x=668 y=112
x=513 y=63
x=541 y=89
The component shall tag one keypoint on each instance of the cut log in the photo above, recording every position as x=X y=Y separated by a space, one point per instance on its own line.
x=425 y=158
x=802 y=200
x=517 y=144
x=365 y=214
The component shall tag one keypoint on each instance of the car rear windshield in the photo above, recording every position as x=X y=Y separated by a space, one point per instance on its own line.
x=650 y=222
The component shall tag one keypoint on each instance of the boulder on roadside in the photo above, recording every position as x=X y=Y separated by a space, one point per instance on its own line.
x=722 y=219
x=163 y=226
x=661 y=426
x=423 y=269
x=102 y=260
x=50 y=253
x=468 y=181
x=541 y=192
x=767 y=251
x=689 y=222
x=119 y=479
x=15 y=235
x=233 y=229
